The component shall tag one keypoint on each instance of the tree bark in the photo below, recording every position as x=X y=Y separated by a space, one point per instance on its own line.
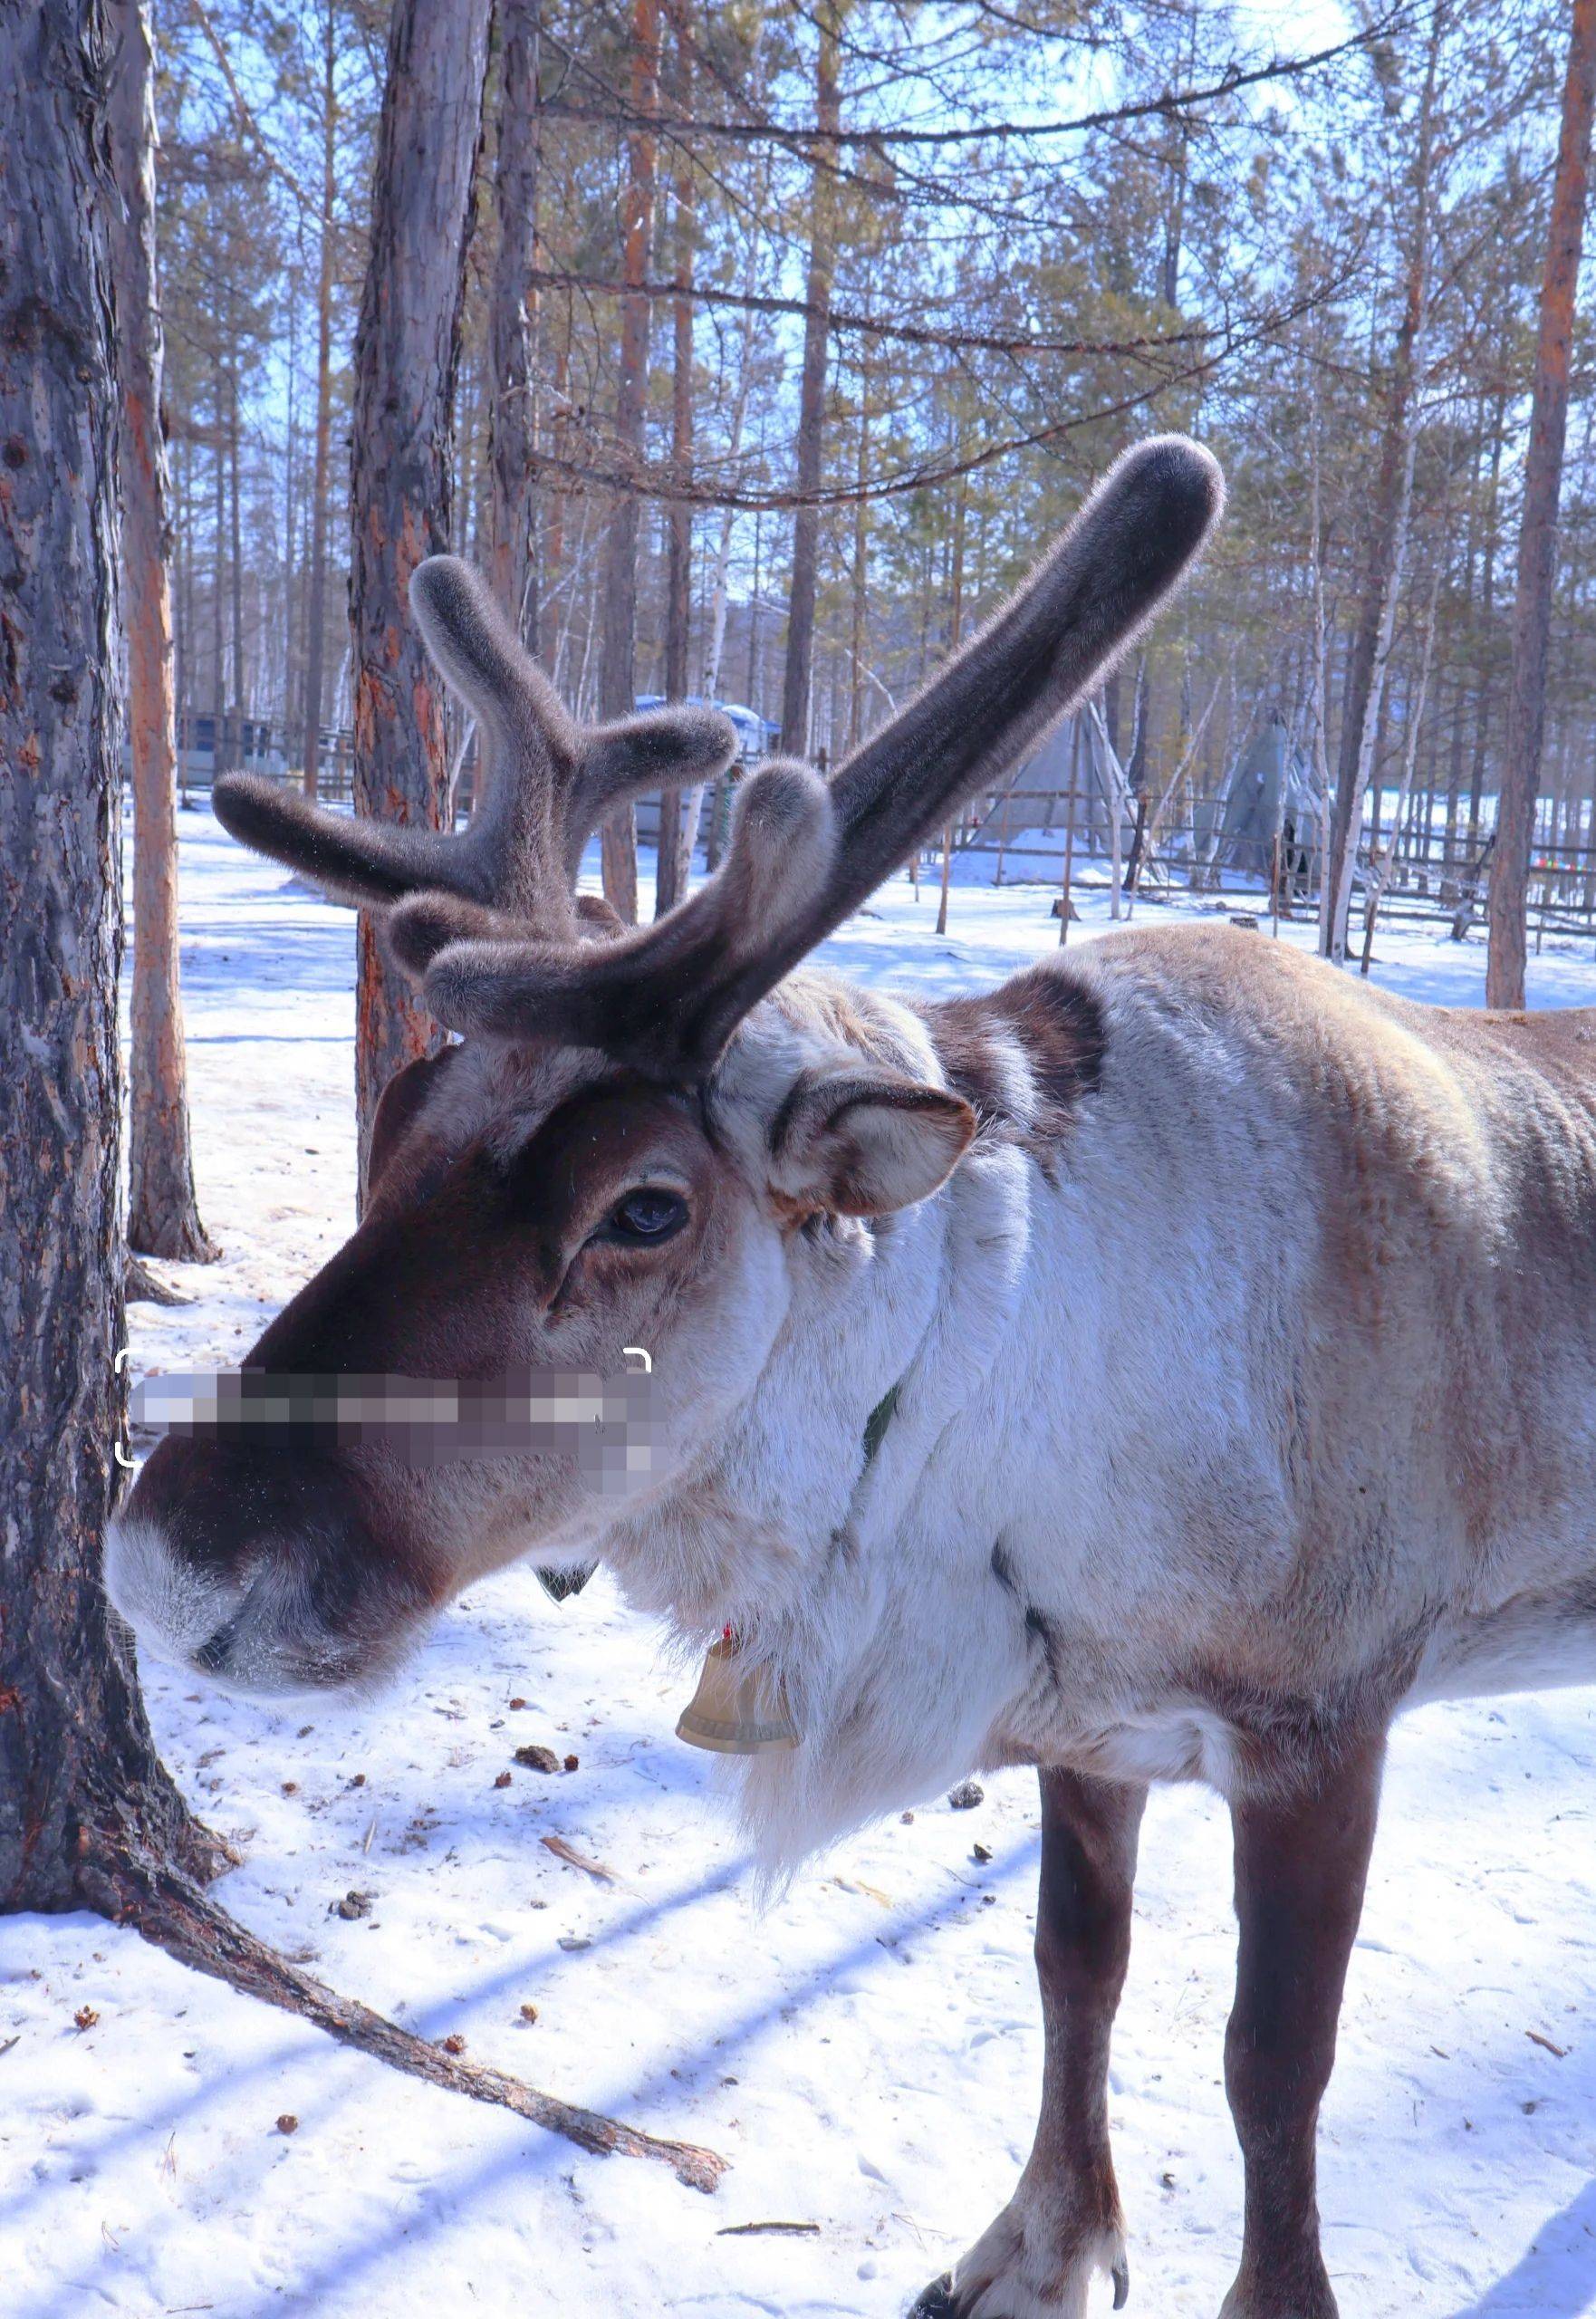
x=163 y=1217
x=799 y=676
x=80 y=1779
x=316 y=610
x=671 y=878
x=618 y=653
x=407 y=347
x=1537 y=539
x=513 y=409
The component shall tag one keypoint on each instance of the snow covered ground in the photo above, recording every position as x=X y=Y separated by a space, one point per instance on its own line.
x=866 y=2052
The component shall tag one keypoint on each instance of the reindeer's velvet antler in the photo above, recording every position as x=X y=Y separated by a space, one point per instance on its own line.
x=552 y=782
x=805 y=853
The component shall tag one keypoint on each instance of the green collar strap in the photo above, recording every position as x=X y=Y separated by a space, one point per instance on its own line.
x=878 y=1420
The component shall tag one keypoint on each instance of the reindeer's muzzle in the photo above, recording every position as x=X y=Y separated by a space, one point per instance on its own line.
x=262 y=1569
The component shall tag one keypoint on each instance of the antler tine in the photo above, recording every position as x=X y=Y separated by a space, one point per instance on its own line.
x=1056 y=639
x=804 y=854
x=552 y=782
x=510 y=859
x=644 y=995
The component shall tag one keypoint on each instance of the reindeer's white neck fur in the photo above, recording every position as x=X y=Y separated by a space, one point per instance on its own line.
x=853 y=1581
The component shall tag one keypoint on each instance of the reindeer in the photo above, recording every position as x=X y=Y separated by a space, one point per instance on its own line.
x=1166 y=1366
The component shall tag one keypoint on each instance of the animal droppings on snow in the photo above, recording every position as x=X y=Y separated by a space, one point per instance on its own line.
x=967 y=1795
x=538 y=1758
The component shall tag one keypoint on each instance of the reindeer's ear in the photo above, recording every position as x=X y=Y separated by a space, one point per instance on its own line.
x=864 y=1142
x=397 y=1107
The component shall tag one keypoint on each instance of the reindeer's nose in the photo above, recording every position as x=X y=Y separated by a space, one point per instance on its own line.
x=247 y=1566
x=212 y=1657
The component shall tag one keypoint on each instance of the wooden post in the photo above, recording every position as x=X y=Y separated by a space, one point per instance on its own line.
x=1076 y=737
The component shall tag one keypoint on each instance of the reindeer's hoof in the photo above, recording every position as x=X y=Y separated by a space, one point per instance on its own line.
x=1015 y=2272
x=936 y=2302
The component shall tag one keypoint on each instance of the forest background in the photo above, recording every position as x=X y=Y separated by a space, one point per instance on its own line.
x=808 y=326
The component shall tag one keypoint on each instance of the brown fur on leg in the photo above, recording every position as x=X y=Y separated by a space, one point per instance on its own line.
x=1063 y=2224
x=1302 y=1855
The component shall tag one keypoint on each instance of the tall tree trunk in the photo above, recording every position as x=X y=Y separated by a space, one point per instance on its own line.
x=618 y=584
x=672 y=869
x=861 y=531
x=80 y=1782
x=292 y=576
x=1537 y=538
x=236 y=559
x=1394 y=451
x=219 y=759
x=1485 y=634
x=513 y=409
x=322 y=483
x=798 y=678
x=723 y=552
x=407 y=346
x=163 y=1218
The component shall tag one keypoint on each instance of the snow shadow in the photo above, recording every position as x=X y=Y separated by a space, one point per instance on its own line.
x=421 y=2018
x=444 y=2197
x=1556 y=2277
x=437 y=2202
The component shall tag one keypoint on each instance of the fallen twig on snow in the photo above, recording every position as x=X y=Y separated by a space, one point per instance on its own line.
x=748 y=2229
x=174 y=1915
x=575 y=1859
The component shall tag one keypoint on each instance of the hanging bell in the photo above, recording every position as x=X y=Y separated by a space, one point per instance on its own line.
x=736 y=1710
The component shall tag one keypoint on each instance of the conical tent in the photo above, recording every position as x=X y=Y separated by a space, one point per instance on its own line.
x=1055 y=768
x=1271 y=793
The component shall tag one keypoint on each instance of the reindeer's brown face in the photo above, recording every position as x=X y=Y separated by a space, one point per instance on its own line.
x=525 y=1223
x=556 y=1190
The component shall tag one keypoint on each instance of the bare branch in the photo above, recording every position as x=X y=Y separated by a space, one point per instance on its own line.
x=174 y=1915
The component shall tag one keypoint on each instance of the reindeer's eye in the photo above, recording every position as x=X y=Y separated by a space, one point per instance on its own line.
x=650 y=1214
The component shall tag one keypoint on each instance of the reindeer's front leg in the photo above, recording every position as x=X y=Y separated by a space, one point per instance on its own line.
x=1063 y=2224
x=1301 y=1853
